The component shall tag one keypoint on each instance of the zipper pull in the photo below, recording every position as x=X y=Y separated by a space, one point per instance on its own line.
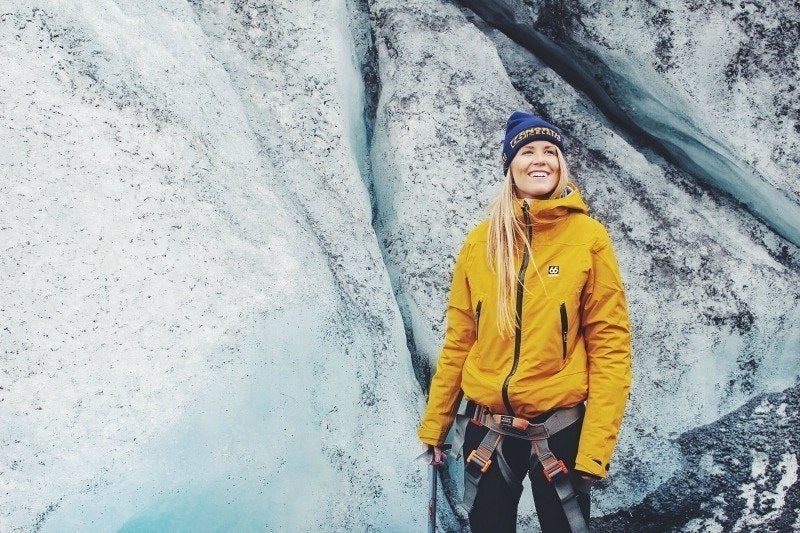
x=525 y=214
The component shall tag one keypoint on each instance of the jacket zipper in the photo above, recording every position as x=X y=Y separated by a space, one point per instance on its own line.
x=478 y=319
x=518 y=332
x=564 y=330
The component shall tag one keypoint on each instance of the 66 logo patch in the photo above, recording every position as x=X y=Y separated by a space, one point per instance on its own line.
x=552 y=270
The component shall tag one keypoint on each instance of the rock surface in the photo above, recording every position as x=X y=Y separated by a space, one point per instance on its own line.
x=738 y=474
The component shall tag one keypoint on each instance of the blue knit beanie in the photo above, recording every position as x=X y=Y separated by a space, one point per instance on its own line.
x=523 y=128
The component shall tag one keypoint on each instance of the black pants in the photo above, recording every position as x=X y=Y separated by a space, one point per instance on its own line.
x=495 y=507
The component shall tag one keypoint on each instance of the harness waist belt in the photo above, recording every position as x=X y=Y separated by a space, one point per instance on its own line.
x=520 y=427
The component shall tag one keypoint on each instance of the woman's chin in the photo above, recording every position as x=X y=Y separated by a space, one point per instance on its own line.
x=538 y=193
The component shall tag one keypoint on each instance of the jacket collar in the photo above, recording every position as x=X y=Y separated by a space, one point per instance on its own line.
x=549 y=211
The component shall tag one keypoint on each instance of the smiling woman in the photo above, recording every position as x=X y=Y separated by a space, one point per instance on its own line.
x=541 y=358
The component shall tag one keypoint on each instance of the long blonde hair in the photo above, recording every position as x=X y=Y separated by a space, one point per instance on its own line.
x=507 y=236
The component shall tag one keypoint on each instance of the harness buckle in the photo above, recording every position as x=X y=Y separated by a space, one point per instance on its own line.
x=482 y=463
x=512 y=423
x=553 y=468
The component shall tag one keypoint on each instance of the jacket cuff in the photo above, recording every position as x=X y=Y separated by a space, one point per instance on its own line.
x=590 y=466
x=434 y=438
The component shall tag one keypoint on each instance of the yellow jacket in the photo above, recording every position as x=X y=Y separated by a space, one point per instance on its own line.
x=574 y=340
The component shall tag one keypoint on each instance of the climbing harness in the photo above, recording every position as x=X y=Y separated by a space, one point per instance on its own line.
x=479 y=461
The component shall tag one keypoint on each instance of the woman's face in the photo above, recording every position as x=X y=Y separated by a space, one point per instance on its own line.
x=535 y=170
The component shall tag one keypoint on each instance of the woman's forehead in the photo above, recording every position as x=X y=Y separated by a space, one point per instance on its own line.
x=538 y=143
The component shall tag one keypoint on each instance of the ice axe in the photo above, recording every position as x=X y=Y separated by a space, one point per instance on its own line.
x=434 y=475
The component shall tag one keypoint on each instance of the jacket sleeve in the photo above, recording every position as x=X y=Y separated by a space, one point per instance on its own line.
x=606 y=329
x=445 y=388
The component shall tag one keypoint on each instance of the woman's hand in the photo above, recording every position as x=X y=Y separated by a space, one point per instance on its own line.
x=438 y=456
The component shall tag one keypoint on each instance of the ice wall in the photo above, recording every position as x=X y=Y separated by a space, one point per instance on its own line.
x=199 y=330
x=231 y=228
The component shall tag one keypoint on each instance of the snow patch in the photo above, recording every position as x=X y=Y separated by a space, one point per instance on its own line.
x=759 y=497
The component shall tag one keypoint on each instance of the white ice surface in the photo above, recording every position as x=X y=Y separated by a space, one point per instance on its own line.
x=710 y=79
x=201 y=327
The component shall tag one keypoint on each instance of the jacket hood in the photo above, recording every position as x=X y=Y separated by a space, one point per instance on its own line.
x=548 y=211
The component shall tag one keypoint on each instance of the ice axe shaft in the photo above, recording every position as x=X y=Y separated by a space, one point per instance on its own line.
x=434 y=479
x=432 y=500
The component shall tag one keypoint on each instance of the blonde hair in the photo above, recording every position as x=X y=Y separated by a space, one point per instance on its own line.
x=507 y=236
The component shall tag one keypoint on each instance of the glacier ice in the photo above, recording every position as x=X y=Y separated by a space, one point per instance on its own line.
x=229 y=229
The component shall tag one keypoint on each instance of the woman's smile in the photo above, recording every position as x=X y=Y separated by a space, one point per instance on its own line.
x=538 y=174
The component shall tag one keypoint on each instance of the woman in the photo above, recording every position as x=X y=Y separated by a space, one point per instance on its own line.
x=537 y=341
